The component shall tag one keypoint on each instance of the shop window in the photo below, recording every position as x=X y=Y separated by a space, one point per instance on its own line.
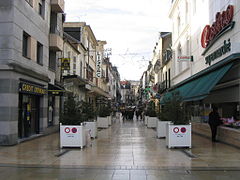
x=51 y=102
x=26 y=45
x=39 y=53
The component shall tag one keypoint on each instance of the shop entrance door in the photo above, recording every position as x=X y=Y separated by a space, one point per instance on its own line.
x=28 y=123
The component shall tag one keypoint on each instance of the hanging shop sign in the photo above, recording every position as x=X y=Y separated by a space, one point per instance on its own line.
x=65 y=63
x=226 y=47
x=56 y=92
x=31 y=89
x=222 y=24
x=98 y=67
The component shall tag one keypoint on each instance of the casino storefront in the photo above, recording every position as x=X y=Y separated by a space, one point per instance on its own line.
x=30 y=97
x=218 y=81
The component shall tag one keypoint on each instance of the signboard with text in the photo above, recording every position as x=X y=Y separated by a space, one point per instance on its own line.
x=31 y=89
x=185 y=58
x=65 y=63
x=178 y=135
x=98 y=66
x=72 y=136
x=223 y=23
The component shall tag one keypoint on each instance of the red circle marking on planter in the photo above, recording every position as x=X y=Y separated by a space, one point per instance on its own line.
x=183 y=129
x=176 y=129
x=67 y=130
x=74 y=130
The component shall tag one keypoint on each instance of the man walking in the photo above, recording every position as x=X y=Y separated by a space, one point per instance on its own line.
x=214 y=121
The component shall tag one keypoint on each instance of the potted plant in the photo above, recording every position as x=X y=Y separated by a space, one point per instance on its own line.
x=163 y=120
x=178 y=132
x=72 y=130
x=152 y=115
x=102 y=118
x=89 y=117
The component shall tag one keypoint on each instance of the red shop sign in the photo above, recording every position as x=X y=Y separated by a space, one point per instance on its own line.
x=222 y=20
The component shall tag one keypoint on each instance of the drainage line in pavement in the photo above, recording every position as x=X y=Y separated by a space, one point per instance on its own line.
x=62 y=152
x=189 y=154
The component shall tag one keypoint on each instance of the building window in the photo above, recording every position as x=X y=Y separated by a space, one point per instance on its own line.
x=194 y=7
x=41 y=8
x=90 y=73
x=179 y=62
x=52 y=60
x=166 y=79
x=26 y=45
x=169 y=78
x=186 y=13
x=30 y=2
x=39 y=53
x=179 y=25
x=81 y=68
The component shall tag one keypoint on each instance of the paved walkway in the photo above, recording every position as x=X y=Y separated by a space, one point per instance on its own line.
x=126 y=150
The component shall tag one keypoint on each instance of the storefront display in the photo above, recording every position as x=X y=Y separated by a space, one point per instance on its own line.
x=29 y=108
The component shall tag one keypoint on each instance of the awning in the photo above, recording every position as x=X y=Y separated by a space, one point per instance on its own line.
x=100 y=92
x=200 y=87
x=55 y=90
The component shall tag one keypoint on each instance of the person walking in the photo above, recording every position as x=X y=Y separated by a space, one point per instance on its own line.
x=214 y=121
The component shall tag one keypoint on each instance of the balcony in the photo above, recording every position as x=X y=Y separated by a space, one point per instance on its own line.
x=55 y=42
x=57 y=6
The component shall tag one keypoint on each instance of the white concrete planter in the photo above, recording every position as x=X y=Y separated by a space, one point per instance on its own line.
x=109 y=120
x=152 y=122
x=161 y=128
x=102 y=122
x=178 y=136
x=146 y=120
x=73 y=136
x=92 y=126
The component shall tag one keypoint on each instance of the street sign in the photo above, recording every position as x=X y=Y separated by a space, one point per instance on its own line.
x=176 y=129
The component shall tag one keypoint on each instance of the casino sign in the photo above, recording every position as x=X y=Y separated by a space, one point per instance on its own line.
x=222 y=24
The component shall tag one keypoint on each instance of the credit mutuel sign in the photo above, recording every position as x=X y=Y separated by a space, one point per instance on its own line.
x=32 y=89
x=211 y=34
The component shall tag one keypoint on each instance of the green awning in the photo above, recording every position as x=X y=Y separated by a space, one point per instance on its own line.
x=200 y=87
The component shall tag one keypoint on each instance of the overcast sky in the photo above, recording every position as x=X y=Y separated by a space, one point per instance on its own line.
x=130 y=27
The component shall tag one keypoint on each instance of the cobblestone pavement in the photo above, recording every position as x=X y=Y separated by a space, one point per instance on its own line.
x=126 y=150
